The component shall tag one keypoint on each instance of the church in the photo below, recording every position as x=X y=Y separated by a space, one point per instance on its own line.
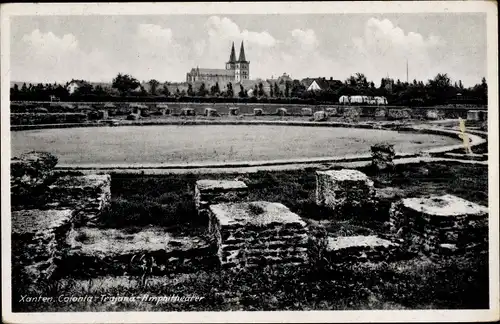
x=235 y=71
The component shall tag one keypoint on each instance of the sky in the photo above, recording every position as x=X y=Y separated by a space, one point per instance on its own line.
x=166 y=47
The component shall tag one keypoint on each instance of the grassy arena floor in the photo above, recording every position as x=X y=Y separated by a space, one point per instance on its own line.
x=214 y=143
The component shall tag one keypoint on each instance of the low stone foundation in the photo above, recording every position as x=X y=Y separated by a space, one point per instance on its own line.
x=354 y=249
x=382 y=156
x=151 y=251
x=30 y=171
x=320 y=116
x=258 y=233
x=346 y=192
x=88 y=195
x=332 y=111
x=281 y=112
x=306 y=112
x=38 y=241
x=398 y=114
x=440 y=224
x=208 y=192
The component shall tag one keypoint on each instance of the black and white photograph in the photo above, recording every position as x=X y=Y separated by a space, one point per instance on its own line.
x=250 y=161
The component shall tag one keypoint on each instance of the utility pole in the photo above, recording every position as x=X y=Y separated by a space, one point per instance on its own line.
x=406 y=70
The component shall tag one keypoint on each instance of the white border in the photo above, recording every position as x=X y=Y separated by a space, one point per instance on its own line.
x=488 y=7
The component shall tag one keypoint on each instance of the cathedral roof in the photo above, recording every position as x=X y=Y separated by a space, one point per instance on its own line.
x=232 y=57
x=212 y=71
x=242 y=54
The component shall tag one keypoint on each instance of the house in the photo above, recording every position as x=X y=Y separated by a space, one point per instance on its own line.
x=74 y=85
x=318 y=84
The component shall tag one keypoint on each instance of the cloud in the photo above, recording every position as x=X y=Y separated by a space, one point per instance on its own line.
x=46 y=57
x=306 y=39
x=384 y=49
x=225 y=29
x=49 y=43
x=154 y=33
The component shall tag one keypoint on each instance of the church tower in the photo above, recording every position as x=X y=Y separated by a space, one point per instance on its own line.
x=231 y=64
x=242 y=71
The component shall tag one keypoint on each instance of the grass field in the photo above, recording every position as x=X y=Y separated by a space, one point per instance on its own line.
x=214 y=143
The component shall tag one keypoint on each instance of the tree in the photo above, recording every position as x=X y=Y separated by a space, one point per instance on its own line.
x=229 y=91
x=202 y=91
x=255 y=91
x=153 y=86
x=242 y=93
x=125 y=83
x=165 y=90
x=261 y=89
x=14 y=92
x=287 y=89
x=215 y=90
x=99 y=91
x=190 y=91
x=84 y=89
x=271 y=91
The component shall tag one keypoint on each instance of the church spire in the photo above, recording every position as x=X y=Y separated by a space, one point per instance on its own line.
x=242 y=54
x=232 y=58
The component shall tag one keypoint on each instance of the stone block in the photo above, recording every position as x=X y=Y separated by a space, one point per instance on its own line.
x=30 y=170
x=346 y=192
x=234 y=111
x=258 y=112
x=257 y=233
x=361 y=249
x=473 y=115
x=281 y=112
x=382 y=156
x=210 y=112
x=208 y=192
x=351 y=113
x=38 y=240
x=320 y=116
x=96 y=252
x=427 y=223
x=306 y=112
x=332 y=111
x=432 y=114
x=396 y=114
x=380 y=113
x=88 y=195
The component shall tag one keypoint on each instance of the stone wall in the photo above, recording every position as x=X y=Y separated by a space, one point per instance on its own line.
x=439 y=224
x=360 y=248
x=208 y=192
x=306 y=112
x=40 y=225
x=258 y=233
x=347 y=193
x=397 y=114
x=30 y=171
x=38 y=241
x=153 y=251
x=320 y=116
x=89 y=195
x=46 y=118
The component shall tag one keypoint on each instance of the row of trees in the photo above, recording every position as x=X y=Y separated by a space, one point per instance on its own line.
x=439 y=90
